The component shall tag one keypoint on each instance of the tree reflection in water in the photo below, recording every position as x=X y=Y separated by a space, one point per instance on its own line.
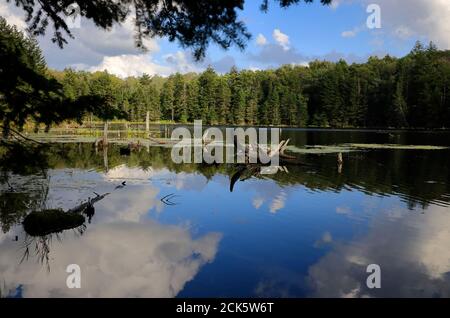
x=396 y=172
x=24 y=182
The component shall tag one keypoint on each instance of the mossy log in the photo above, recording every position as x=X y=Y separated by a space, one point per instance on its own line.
x=45 y=222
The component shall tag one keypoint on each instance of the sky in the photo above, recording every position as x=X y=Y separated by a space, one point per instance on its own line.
x=296 y=35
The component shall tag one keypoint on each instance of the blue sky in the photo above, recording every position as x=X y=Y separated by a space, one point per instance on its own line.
x=295 y=35
x=314 y=31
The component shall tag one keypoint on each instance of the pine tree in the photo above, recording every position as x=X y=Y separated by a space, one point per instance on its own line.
x=398 y=116
x=207 y=88
x=302 y=111
x=223 y=101
x=237 y=97
x=193 y=105
x=180 y=99
x=167 y=100
x=274 y=106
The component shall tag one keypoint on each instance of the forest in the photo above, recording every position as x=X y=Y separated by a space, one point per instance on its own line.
x=408 y=92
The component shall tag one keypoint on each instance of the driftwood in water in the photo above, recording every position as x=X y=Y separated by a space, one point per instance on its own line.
x=100 y=144
x=159 y=142
x=235 y=177
x=45 y=222
x=253 y=151
x=126 y=151
x=245 y=172
x=80 y=208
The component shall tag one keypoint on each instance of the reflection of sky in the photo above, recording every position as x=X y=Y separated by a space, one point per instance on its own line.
x=411 y=249
x=120 y=254
x=274 y=241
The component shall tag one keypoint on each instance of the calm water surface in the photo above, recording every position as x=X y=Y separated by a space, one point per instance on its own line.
x=178 y=230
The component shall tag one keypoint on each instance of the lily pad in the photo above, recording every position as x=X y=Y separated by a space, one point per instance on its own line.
x=320 y=149
x=396 y=146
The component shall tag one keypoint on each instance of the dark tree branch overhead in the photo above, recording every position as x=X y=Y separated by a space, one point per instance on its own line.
x=193 y=23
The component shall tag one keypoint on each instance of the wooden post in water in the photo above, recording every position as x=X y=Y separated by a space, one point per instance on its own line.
x=147 y=122
x=105 y=133
x=340 y=161
x=105 y=159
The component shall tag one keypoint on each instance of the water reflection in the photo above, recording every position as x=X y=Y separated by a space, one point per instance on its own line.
x=411 y=249
x=144 y=259
x=121 y=254
x=309 y=230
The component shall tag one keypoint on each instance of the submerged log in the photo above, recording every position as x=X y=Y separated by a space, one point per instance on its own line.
x=80 y=208
x=159 y=142
x=41 y=223
x=45 y=222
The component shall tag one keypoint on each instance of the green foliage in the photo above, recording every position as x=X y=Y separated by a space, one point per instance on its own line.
x=207 y=99
x=388 y=92
x=28 y=91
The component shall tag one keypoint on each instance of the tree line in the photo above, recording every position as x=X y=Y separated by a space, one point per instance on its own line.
x=383 y=92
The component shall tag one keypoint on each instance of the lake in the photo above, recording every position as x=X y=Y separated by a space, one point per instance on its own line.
x=198 y=230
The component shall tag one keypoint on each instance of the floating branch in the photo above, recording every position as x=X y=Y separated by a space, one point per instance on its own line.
x=167 y=199
x=122 y=185
x=80 y=208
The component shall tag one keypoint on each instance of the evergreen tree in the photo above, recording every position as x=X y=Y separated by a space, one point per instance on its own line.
x=207 y=102
x=167 y=100
x=180 y=99
x=223 y=101
x=398 y=116
x=238 y=99
x=302 y=111
x=193 y=105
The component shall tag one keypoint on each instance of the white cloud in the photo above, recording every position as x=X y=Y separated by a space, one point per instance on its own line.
x=182 y=62
x=121 y=254
x=417 y=18
x=410 y=247
x=13 y=17
x=281 y=38
x=278 y=202
x=403 y=32
x=349 y=34
x=257 y=202
x=131 y=65
x=116 y=41
x=114 y=50
x=125 y=259
x=123 y=172
x=261 y=40
x=353 y=32
x=343 y=210
x=335 y=4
